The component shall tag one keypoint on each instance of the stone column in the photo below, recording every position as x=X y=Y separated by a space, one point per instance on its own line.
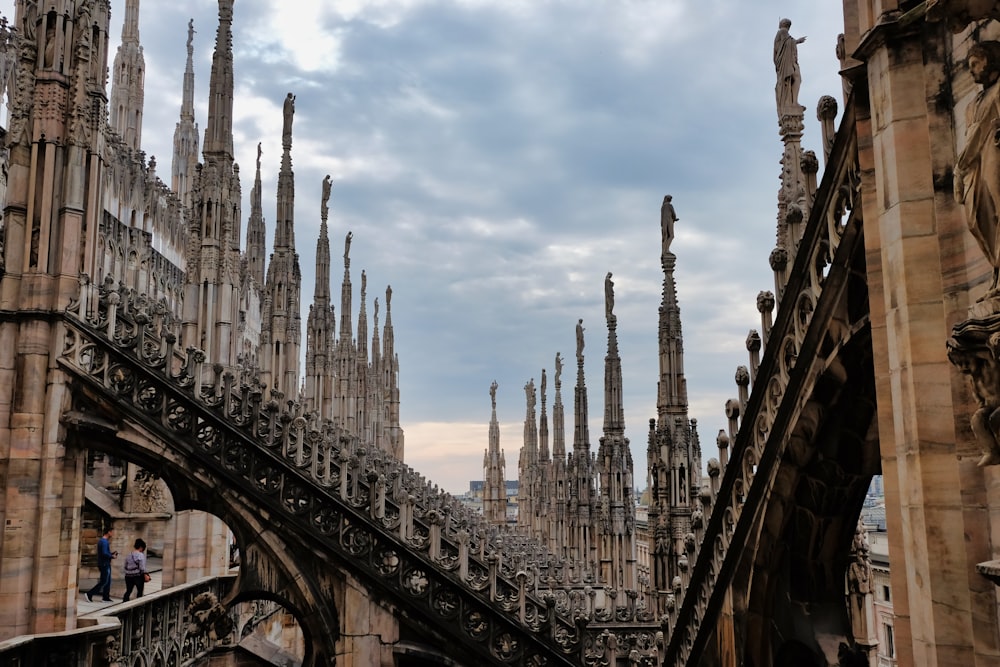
x=919 y=280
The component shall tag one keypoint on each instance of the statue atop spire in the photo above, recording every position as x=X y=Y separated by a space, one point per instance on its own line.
x=347 y=254
x=324 y=208
x=288 y=111
x=609 y=297
x=667 y=219
x=786 y=66
x=493 y=394
x=579 y=341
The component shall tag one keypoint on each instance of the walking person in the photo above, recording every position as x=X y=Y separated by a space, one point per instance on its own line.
x=104 y=557
x=135 y=570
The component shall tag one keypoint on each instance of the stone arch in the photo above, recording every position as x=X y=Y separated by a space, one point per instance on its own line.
x=299 y=584
x=803 y=537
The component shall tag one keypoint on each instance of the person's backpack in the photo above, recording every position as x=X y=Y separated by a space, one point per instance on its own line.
x=131 y=566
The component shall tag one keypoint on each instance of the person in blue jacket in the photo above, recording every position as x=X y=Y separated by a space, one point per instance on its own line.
x=104 y=557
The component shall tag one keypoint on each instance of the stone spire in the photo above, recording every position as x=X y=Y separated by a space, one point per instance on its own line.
x=375 y=410
x=558 y=416
x=494 y=484
x=282 y=288
x=346 y=327
x=212 y=280
x=345 y=388
x=581 y=430
x=794 y=195
x=256 y=232
x=361 y=363
x=558 y=484
x=671 y=389
x=580 y=473
x=185 y=157
x=321 y=324
x=674 y=452
x=614 y=411
x=129 y=73
x=543 y=425
x=528 y=462
x=390 y=383
x=616 y=525
x=219 y=130
x=321 y=291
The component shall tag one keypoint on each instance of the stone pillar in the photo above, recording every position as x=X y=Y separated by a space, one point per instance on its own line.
x=919 y=280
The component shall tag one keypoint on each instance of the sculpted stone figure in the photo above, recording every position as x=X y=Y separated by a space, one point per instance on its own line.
x=327 y=186
x=667 y=219
x=493 y=394
x=974 y=348
x=579 y=340
x=609 y=296
x=977 y=168
x=786 y=66
x=859 y=574
x=288 y=110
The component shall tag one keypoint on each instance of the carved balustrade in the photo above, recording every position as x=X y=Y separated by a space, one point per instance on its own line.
x=780 y=385
x=156 y=629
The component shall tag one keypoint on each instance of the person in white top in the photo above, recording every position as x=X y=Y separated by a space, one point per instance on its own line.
x=135 y=570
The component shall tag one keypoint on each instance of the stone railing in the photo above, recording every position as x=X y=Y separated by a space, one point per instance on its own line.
x=760 y=421
x=373 y=513
x=158 y=629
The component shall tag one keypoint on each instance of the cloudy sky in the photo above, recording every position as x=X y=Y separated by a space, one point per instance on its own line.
x=494 y=159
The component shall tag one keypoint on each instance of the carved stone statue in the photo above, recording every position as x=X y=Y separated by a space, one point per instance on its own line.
x=977 y=168
x=667 y=219
x=327 y=186
x=579 y=340
x=493 y=394
x=559 y=367
x=786 y=66
x=287 y=111
x=861 y=591
x=859 y=575
x=974 y=347
x=609 y=297
x=347 y=250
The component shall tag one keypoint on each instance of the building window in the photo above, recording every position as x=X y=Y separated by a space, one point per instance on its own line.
x=885 y=593
x=890 y=648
